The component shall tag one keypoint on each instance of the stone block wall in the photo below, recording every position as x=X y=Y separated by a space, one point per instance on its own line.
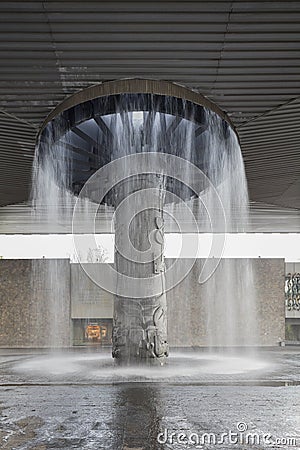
x=270 y=278
x=36 y=307
x=35 y=303
x=88 y=300
x=188 y=304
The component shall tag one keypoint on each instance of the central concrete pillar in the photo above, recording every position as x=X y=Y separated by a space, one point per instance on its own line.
x=140 y=324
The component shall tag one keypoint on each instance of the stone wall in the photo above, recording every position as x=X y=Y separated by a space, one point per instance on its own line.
x=36 y=306
x=35 y=303
x=188 y=308
x=270 y=276
x=88 y=300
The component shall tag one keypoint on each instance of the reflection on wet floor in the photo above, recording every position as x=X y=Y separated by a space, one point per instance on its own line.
x=139 y=414
x=59 y=408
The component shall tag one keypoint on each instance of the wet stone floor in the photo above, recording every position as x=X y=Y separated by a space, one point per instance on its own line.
x=81 y=400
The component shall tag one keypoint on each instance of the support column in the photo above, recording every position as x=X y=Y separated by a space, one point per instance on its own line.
x=140 y=324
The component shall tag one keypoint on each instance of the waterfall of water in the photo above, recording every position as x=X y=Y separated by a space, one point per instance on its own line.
x=228 y=295
x=230 y=292
x=52 y=203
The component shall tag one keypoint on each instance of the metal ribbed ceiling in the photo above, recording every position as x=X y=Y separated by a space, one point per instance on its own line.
x=23 y=219
x=243 y=55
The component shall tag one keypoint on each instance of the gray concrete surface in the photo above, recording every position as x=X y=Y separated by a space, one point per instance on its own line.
x=80 y=400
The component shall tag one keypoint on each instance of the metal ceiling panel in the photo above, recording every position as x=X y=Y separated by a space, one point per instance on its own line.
x=22 y=219
x=244 y=55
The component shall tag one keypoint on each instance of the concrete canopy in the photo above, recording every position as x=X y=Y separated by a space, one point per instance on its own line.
x=243 y=55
